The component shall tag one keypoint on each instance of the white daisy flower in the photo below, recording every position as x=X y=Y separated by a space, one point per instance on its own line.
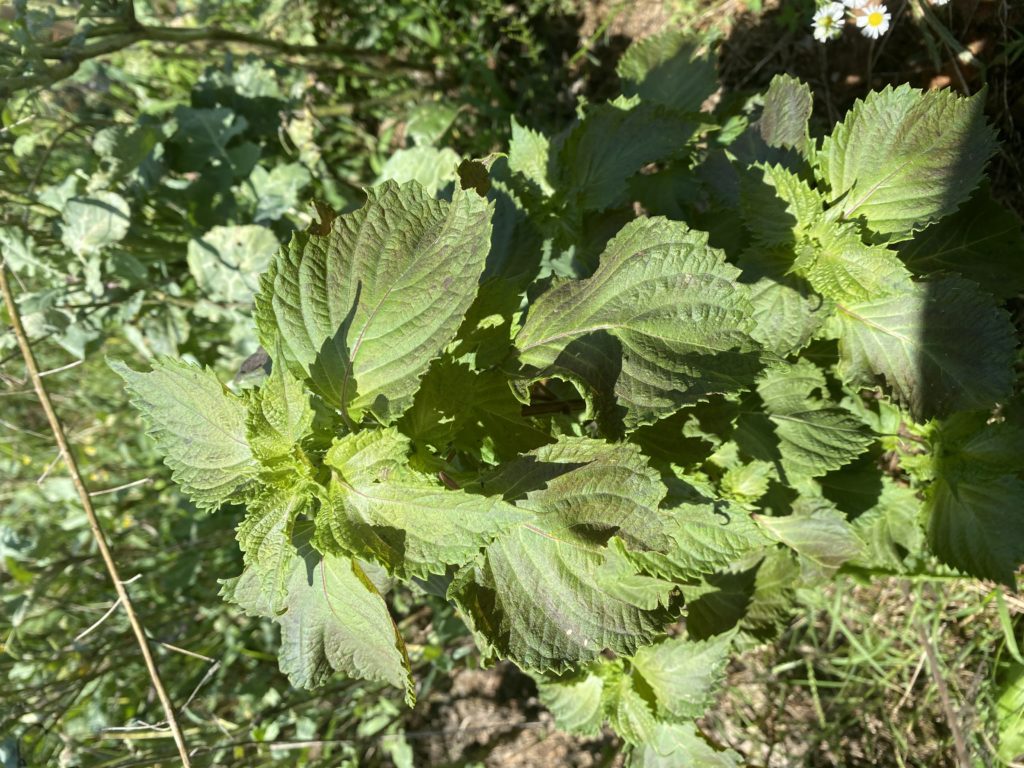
x=873 y=20
x=828 y=22
x=855 y=3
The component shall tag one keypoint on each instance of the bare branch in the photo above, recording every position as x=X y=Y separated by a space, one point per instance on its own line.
x=126 y=486
x=94 y=524
x=963 y=757
x=98 y=621
x=62 y=368
x=117 y=38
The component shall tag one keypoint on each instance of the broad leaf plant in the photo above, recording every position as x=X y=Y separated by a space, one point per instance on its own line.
x=623 y=391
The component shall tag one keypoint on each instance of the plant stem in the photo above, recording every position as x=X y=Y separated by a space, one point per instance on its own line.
x=963 y=757
x=117 y=38
x=94 y=524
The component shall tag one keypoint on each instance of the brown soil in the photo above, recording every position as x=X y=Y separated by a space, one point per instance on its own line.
x=493 y=718
x=632 y=20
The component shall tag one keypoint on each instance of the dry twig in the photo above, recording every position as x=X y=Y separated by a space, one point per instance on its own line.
x=963 y=758
x=94 y=524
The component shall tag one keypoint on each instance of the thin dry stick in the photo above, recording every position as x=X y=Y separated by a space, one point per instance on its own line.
x=49 y=468
x=910 y=686
x=62 y=368
x=90 y=513
x=195 y=691
x=125 y=487
x=963 y=758
x=100 y=620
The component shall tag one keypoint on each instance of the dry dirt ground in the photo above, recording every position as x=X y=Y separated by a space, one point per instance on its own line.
x=493 y=718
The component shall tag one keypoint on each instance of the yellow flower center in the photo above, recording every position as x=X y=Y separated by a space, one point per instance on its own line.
x=875 y=19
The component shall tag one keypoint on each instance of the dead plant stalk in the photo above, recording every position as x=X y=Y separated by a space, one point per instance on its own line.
x=94 y=524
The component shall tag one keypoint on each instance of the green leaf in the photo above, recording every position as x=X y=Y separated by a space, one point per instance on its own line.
x=976 y=528
x=57 y=195
x=973 y=447
x=203 y=135
x=684 y=675
x=1010 y=715
x=612 y=144
x=628 y=711
x=903 y=158
x=594 y=487
x=334 y=620
x=746 y=483
x=672 y=745
x=672 y=191
x=618 y=578
x=816 y=531
x=705 y=538
x=982 y=242
x=787 y=111
x=529 y=154
x=514 y=261
x=92 y=223
x=772 y=601
x=274 y=193
x=538 y=596
x=787 y=312
x=855 y=488
x=265 y=536
x=364 y=309
x=20 y=255
x=279 y=414
x=758 y=599
x=537 y=600
x=432 y=168
x=198 y=426
x=942 y=347
x=575 y=701
x=665 y=69
x=843 y=268
x=429 y=122
x=660 y=324
x=254 y=80
x=368 y=457
x=124 y=148
x=227 y=261
x=378 y=509
x=814 y=435
x=669 y=441
x=778 y=206
x=471 y=411
x=891 y=529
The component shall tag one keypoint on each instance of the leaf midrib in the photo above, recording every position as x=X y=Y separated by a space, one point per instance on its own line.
x=919 y=349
